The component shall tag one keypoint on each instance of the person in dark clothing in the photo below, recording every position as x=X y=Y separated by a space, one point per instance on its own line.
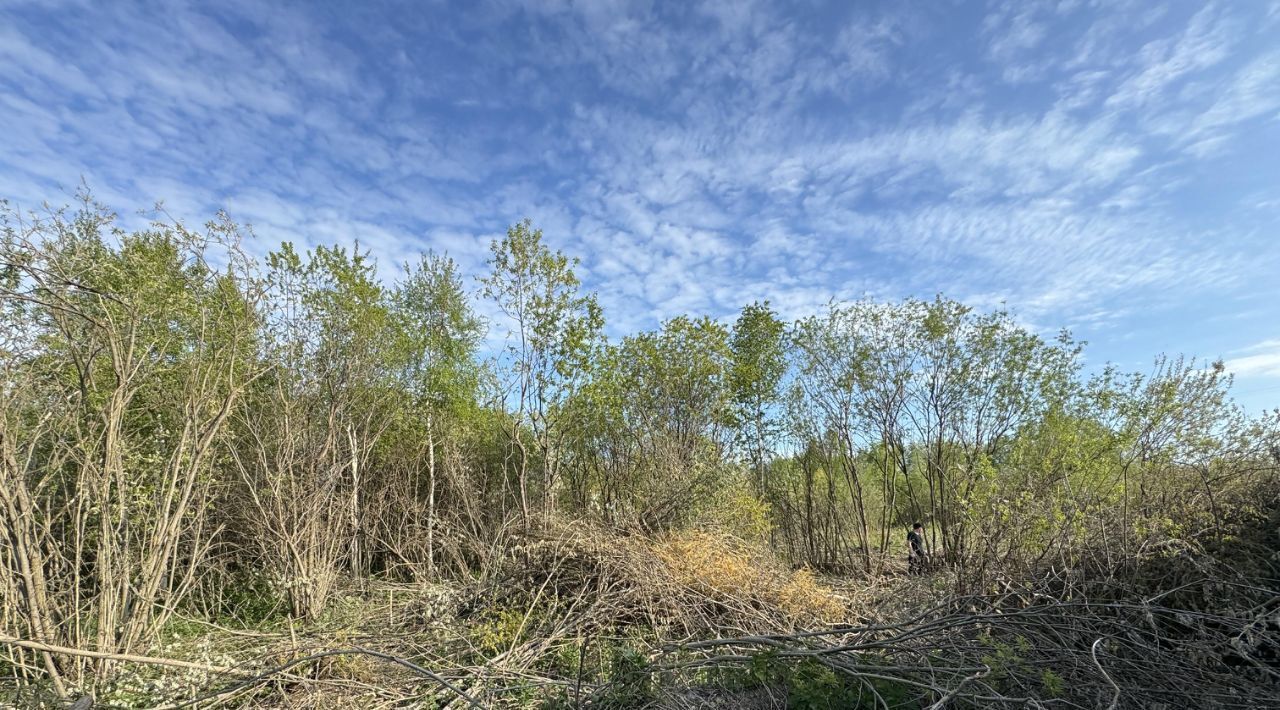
x=916 y=556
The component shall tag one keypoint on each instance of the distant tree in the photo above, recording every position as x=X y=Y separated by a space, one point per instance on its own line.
x=922 y=397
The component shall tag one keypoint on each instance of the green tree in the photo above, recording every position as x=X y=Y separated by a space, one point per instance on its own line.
x=830 y=361
x=442 y=375
x=655 y=420
x=759 y=364
x=554 y=329
x=309 y=432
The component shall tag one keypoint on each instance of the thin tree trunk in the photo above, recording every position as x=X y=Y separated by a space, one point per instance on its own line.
x=431 y=496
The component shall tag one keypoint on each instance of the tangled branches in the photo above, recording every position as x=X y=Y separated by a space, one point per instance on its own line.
x=1000 y=652
x=573 y=617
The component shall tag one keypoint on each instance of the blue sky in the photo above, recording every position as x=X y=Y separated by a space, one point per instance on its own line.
x=1109 y=167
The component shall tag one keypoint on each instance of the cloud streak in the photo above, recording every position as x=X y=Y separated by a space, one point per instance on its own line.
x=1259 y=360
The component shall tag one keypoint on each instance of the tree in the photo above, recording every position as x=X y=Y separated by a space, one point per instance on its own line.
x=830 y=366
x=653 y=423
x=308 y=432
x=888 y=394
x=125 y=355
x=554 y=330
x=442 y=376
x=759 y=363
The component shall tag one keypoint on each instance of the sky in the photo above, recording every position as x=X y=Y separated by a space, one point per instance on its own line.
x=1105 y=166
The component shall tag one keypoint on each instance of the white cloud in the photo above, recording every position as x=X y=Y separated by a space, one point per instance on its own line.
x=1205 y=41
x=1263 y=360
x=1253 y=92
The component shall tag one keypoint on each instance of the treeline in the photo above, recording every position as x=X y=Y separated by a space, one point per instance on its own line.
x=186 y=427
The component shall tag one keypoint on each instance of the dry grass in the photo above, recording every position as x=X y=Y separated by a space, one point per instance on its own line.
x=725 y=568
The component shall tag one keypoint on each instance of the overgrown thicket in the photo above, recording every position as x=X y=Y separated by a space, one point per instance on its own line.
x=200 y=444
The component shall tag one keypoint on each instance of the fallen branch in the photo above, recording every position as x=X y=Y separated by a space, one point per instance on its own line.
x=1093 y=652
x=248 y=682
x=126 y=657
x=264 y=675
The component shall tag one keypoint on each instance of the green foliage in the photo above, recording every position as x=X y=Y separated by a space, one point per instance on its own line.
x=500 y=629
x=740 y=512
x=630 y=666
x=653 y=424
x=616 y=664
x=124 y=352
x=1052 y=683
x=1005 y=658
x=813 y=685
x=248 y=599
x=759 y=362
x=909 y=411
x=442 y=334
x=555 y=325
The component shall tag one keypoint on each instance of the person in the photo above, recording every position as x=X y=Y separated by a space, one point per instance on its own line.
x=916 y=557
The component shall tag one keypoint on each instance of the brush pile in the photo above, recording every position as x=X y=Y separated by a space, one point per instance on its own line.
x=581 y=617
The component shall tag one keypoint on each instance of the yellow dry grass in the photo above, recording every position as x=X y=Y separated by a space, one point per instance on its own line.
x=722 y=566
